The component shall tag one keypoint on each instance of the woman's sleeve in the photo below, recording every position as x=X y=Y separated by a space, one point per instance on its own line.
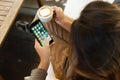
x=38 y=74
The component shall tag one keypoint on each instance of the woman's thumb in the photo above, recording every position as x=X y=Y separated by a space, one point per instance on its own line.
x=47 y=41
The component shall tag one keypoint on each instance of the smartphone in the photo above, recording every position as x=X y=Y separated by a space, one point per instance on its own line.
x=40 y=32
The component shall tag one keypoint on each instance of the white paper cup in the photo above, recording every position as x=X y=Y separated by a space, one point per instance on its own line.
x=45 y=13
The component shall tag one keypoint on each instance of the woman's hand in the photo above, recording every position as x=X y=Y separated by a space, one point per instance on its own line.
x=44 y=54
x=59 y=15
x=62 y=19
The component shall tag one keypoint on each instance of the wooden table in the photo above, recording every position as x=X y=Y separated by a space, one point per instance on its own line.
x=8 y=13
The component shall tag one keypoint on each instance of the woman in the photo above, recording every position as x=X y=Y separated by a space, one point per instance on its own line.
x=95 y=40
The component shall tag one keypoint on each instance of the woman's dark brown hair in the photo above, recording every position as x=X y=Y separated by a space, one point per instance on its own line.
x=95 y=38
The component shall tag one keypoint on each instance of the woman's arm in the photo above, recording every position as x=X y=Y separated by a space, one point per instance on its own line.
x=66 y=24
x=44 y=54
x=40 y=73
x=62 y=19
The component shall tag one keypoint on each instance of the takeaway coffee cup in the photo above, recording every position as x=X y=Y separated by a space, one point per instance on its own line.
x=45 y=13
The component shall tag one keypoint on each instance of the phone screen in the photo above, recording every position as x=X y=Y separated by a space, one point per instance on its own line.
x=40 y=32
